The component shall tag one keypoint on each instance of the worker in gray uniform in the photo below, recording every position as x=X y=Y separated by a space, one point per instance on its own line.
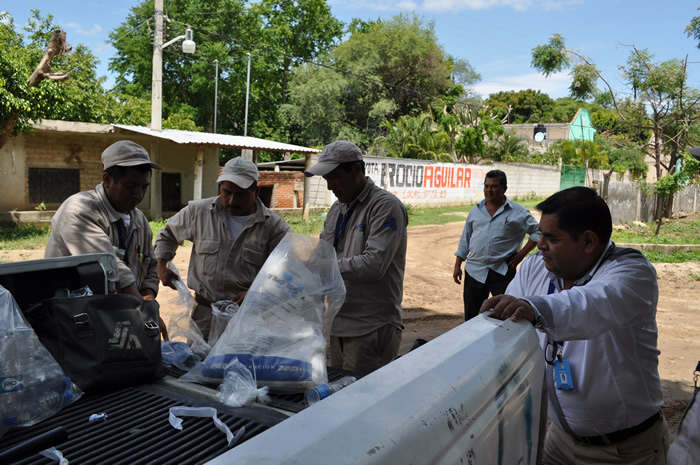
x=232 y=235
x=367 y=228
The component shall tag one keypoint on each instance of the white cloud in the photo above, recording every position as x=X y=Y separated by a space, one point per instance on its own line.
x=78 y=28
x=556 y=85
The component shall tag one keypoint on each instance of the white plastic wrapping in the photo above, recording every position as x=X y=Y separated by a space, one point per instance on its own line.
x=33 y=386
x=181 y=323
x=280 y=330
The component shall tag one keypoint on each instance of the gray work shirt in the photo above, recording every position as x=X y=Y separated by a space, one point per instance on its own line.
x=88 y=223
x=372 y=258
x=220 y=267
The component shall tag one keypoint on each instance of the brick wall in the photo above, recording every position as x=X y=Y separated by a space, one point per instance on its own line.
x=287 y=188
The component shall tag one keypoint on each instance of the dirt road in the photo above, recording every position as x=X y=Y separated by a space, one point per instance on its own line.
x=433 y=305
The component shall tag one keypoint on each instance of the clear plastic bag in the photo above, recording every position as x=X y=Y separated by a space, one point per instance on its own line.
x=240 y=388
x=181 y=323
x=33 y=386
x=281 y=329
x=221 y=313
x=179 y=355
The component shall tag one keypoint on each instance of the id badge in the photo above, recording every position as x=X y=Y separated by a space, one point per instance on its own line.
x=562 y=375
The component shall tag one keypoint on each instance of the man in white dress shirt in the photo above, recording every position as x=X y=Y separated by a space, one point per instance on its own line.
x=594 y=305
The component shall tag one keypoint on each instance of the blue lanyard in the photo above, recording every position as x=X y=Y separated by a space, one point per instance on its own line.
x=341 y=224
x=557 y=346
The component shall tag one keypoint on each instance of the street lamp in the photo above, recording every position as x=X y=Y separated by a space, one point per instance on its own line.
x=216 y=90
x=247 y=88
x=188 y=46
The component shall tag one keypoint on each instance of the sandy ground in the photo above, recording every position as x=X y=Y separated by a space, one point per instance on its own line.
x=433 y=305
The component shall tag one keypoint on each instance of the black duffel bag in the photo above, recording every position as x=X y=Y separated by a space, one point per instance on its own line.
x=102 y=342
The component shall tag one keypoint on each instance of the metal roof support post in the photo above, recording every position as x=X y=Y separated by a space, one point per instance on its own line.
x=155 y=194
x=307 y=187
x=198 y=172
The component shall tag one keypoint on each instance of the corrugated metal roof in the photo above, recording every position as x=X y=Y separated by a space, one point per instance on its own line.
x=221 y=140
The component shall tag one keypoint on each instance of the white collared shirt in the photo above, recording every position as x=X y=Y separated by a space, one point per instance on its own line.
x=607 y=323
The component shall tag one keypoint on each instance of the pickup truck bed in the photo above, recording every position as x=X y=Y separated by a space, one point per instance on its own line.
x=137 y=430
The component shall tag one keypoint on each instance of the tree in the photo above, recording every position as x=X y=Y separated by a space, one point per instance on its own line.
x=527 y=106
x=20 y=101
x=509 y=148
x=387 y=70
x=48 y=94
x=279 y=35
x=661 y=90
x=669 y=185
x=416 y=137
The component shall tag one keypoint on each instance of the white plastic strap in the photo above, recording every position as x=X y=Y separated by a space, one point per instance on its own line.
x=204 y=412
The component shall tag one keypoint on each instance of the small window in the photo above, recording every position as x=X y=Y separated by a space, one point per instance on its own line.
x=52 y=185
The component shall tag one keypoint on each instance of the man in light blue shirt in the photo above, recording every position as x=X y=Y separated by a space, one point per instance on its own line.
x=491 y=244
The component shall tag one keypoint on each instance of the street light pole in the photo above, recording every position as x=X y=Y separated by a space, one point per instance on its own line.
x=188 y=46
x=216 y=91
x=247 y=90
x=157 y=71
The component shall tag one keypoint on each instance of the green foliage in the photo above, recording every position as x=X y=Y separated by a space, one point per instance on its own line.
x=673 y=257
x=583 y=83
x=312 y=227
x=677 y=231
x=509 y=148
x=182 y=118
x=669 y=185
x=279 y=35
x=552 y=57
x=693 y=29
x=384 y=70
x=416 y=137
x=23 y=237
x=18 y=102
x=527 y=106
x=41 y=207
x=578 y=152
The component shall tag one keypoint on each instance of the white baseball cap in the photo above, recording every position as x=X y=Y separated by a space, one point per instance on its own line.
x=240 y=171
x=126 y=153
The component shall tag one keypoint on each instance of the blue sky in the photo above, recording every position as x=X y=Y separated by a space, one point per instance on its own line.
x=495 y=36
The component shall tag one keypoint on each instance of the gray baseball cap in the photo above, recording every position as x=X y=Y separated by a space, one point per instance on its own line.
x=334 y=154
x=240 y=171
x=126 y=153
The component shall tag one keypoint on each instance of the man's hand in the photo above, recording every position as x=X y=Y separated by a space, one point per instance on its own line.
x=507 y=306
x=238 y=298
x=457 y=272
x=515 y=259
x=163 y=329
x=166 y=275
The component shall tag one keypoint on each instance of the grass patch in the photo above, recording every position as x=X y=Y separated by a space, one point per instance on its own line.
x=418 y=216
x=24 y=237
x=677 y=231
x=312 y=227
x=674 y=257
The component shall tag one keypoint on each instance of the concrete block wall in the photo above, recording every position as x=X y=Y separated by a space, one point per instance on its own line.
x=629 y=202
x=527 y=181
x=50 y=150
